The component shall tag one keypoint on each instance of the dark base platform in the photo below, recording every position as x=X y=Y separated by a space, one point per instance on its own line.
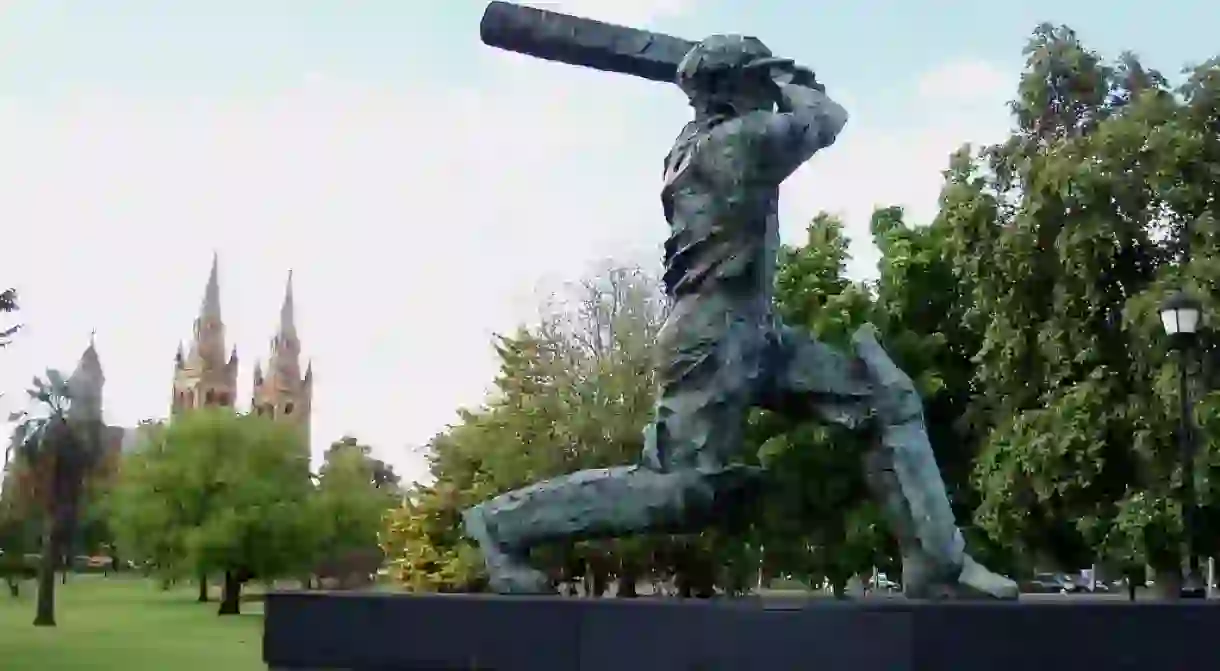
x=399 y=632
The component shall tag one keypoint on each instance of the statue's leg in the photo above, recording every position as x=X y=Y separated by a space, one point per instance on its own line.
x=869 y=391
x=683 y=483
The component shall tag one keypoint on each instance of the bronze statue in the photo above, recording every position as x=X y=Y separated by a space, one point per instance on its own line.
x=757 y=119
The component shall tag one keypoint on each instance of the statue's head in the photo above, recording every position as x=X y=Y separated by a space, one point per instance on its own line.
x=714 y=75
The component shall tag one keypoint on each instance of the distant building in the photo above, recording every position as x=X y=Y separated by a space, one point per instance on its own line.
x=205 y=377
x=86 y=385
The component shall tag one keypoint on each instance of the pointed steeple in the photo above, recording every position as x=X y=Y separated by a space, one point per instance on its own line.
x=86 y=384
x=90 y=363
x=208 y=348
x=280 y=392
x=285 y=346
x=288 y=324
x=203 y=377
x=210 y=309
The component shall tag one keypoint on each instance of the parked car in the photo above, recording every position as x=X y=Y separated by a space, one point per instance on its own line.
x=881 y=582
x=1048 y=583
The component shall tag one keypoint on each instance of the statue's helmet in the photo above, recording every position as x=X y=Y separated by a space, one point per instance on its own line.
x=715 y=58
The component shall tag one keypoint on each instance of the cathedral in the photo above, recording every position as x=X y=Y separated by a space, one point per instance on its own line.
x=206 y=374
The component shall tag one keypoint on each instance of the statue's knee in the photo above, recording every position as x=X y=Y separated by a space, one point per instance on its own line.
x=895 y=397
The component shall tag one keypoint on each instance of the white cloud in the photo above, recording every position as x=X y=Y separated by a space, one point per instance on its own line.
x=967 y=83
x=876 y=165
x=417 y=221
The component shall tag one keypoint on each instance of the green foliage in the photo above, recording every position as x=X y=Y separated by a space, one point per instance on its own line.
x=262 y=487
x=54 y=449
x=821 y=522
x=422 y=541
x=354 y=493
x=147 y=524
x=217 y=492
x=1063 y=240
x=574 y=391
x=817 y=521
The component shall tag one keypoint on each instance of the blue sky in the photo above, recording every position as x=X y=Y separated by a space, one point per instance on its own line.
x=426 y=191
x=155 y=47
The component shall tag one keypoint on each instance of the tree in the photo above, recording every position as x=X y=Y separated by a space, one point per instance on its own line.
x=422 y=539
x=817 y=522
x=169 y=485
x=574 y=391
x=820 y=522
x=57 y=443
x=147 y=526
x=219 y=493
x=382 y=474
x=259 y=528
x=18 y=535
x=1064 y=239
x=354 y=493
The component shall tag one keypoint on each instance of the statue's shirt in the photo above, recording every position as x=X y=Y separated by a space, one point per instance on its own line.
x=724 y=232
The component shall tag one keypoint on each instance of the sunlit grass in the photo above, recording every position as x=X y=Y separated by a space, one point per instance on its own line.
x=128 y=624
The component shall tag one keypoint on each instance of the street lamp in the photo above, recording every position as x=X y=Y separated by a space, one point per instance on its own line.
x=1181 y=315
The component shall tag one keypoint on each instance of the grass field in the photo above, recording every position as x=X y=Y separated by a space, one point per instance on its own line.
x=127 y=624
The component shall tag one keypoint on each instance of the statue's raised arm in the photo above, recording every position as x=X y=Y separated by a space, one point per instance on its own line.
x=776 y=108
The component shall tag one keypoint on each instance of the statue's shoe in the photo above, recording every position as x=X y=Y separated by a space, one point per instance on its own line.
x=974 y=581
x=507 y=573
x=986 y=583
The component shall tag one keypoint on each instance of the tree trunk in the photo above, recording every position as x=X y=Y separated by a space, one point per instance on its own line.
x=230 y=595
x=838 y=585
x=684 y=589
x=601 y=581
x=203 y=589
x=1167 y=584
x=14 y=588
x=628 y=578
x=44 y=614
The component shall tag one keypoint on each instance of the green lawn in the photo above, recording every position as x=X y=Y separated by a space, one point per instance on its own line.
x=127 y=624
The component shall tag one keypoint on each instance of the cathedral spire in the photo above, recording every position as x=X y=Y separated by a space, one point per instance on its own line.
x=208 y=347
x=280 y=392
x=85 y=385
x=210 y=309
x=90 y=363
x=288 y=325
x=204 y=377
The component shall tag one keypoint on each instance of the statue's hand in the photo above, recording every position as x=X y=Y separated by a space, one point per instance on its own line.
x=785 y=72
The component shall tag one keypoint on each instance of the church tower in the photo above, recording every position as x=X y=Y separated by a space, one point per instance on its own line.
x=282 y=392
x=85 y=384
x=202 y=377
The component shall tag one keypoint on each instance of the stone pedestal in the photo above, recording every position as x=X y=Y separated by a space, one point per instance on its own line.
x=384 y=632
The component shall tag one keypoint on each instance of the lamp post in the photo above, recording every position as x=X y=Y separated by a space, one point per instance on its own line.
x=1181 y=315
